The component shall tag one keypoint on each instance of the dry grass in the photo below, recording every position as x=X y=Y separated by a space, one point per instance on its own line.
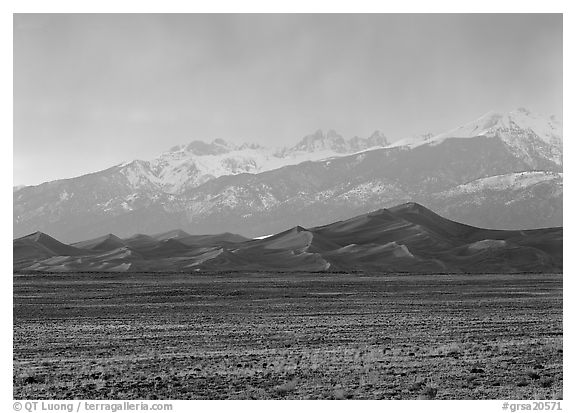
x=187 y=337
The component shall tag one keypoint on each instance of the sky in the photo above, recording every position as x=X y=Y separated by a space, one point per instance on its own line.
x=94 y=90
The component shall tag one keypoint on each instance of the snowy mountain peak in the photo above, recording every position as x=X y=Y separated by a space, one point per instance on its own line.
x=319 y=141
x=187 y=166
x=495 y=124
x=507 y=165
x=332 y=141
x=216 y=147
x=523 y=110
x=332 y=134
x=200 y=148
x=530 y=135
x=378 y=139
x=548 y=128
x=251 y=146
x=534 y=138
x=479 y=127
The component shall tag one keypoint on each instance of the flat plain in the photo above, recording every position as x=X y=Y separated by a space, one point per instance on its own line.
x=287 y=336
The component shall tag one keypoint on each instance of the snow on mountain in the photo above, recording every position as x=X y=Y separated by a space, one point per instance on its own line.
x=546 y=128
x=188 y=166
x=506 y=201
x=513 y=181
x=412 y=141
x=528 y=134
x=332 y=142
x=504 y=171
x=139 y=175
x=320 y=141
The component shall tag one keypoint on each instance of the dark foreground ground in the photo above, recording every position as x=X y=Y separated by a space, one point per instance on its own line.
x=125 y=336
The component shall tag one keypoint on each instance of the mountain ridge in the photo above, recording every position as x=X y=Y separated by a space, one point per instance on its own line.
x=480 y=180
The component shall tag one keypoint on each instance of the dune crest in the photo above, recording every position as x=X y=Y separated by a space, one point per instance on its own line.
x=405 y=238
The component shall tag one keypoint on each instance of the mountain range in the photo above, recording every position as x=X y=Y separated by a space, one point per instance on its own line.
x=502 y=171
x=405 y=238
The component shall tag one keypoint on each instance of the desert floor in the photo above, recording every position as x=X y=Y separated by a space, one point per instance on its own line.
x=287 y=336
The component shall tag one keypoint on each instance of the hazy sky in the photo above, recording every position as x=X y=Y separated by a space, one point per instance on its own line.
x=94 y=90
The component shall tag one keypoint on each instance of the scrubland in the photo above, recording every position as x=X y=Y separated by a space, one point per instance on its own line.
x=287 y=336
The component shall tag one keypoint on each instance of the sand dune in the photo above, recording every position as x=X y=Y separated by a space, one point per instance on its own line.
x=105 y=243
x=40 y=245
x=174 y=234
x=405 y=238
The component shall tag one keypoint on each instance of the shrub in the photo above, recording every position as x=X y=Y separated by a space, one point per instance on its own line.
x=429 y=392
x=32 y=380
x=546 y=382
x=533 y=375
x=522 y=383
x=417 y=385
